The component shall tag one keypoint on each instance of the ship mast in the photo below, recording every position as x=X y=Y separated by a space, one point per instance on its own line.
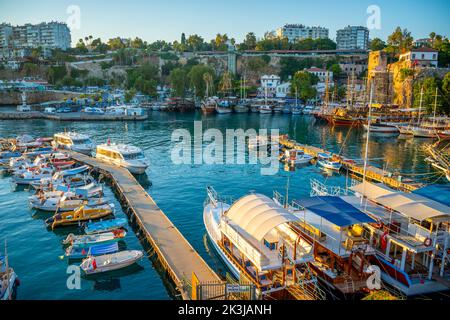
x=366 y=153
x=435 y=106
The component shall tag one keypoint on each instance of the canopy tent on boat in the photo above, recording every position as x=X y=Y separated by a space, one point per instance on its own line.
x=335 y=210
x=258 y=215
x=410 y=205
x=439 y=193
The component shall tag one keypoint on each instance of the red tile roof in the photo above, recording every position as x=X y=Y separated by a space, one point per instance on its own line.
x=424 y=49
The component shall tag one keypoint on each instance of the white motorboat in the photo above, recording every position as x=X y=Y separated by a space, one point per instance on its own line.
x=296 y=157
x=110 y=262
x=83 y=241
x=265 y=109
x=327 y=161
x=28 y=177
x=127 y=156
x=73 y=141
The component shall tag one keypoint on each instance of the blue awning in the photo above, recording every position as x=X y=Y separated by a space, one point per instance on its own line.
x=335 y=210
x=437 y=192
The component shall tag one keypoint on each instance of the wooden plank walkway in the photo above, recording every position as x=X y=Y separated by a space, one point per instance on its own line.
x=372 y=173
x=176 y=254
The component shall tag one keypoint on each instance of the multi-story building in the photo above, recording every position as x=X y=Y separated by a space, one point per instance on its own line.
x=48 y=36
x=421 y=57
x=295 y=32
x=6 y=31
x=353 y=37
x=322 y=74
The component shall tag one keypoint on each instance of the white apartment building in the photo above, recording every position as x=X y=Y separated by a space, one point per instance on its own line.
x=6 y=31
x=283 y=90
x=353 y=38
x=321 y=74
x=15 y=39
x=421 y=57
x=295 y=32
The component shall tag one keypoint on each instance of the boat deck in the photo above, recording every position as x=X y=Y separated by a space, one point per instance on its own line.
x=176 y=254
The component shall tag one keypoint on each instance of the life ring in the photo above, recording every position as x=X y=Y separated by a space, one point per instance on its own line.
x=428 y=242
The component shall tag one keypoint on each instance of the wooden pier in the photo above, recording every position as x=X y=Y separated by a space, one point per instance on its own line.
x=175 y=253
x=372 y=173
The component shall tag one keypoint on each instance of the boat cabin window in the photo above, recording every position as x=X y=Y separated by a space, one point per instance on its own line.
x=133 y=156
x=271 y=241
x=62 y=140
x=109 y=154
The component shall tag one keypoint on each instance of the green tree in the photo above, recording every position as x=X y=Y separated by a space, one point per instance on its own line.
x=249 y=42
x=144 y=79
x=129 y=95
x=336 y=69
x=195 y=42
x=399 y=41
x=302 y=83
x=377 y=44
x=196 y=78
x=446 y=93
x=429 y=85
x=179 y=81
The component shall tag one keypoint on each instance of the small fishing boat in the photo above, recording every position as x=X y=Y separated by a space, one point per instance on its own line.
x=307 y=110
x=209 y=105
x=296 y=110
x=254 y=108
x=224 y=107
x=67 y=202
x=89 y=240
x=382 y=127
x=241 y=107
x=296 y=157
x=8 y=279
x=104 y=226
x=424 y=132
x=444 y=134
x=265 y=109
x=277 y=108
x=28 y=177
x=110 y=262
x=327 y=161
x=6 y=156
x=95 y=250
x=287 y=109
x=74 y=171
x=405 y=129
x=57 y=180
x=78 y=216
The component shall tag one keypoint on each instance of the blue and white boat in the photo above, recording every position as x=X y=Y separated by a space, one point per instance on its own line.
x=105 y=226
x=96 y=250
x=74 y=171
x=224 y=106
x=296 y=110
x=326 y=160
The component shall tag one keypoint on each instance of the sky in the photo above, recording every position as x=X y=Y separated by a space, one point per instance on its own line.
x=165 y=20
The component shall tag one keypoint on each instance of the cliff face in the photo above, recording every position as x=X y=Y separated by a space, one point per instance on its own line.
x=394 y=82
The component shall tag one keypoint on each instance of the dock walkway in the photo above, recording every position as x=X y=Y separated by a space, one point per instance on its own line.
x=372 y=173
x=176 y=254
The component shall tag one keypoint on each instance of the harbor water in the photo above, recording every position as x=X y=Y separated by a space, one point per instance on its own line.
x=179 y=190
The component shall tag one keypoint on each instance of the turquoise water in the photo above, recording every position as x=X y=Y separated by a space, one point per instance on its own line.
x=179 y=191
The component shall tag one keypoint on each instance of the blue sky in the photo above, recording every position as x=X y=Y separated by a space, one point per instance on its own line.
x=152 y=20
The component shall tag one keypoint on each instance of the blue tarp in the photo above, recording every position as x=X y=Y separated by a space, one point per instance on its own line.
x=335 y=210
x=437 y=192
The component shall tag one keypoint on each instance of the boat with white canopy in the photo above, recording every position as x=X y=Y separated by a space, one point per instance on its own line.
x=255 y=239
x=412 y=236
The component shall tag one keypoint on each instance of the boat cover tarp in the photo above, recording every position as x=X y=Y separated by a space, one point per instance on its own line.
x=335 y=210
x=102 y=225
x=439 y=193
x=258 y=215
x=410 y=205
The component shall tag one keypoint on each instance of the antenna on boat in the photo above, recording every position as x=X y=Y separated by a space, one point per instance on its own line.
x=366 y=154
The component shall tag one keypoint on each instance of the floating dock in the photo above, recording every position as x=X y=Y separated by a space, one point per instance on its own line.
x=73 y=116
x=372 y=173
x=177 y=256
